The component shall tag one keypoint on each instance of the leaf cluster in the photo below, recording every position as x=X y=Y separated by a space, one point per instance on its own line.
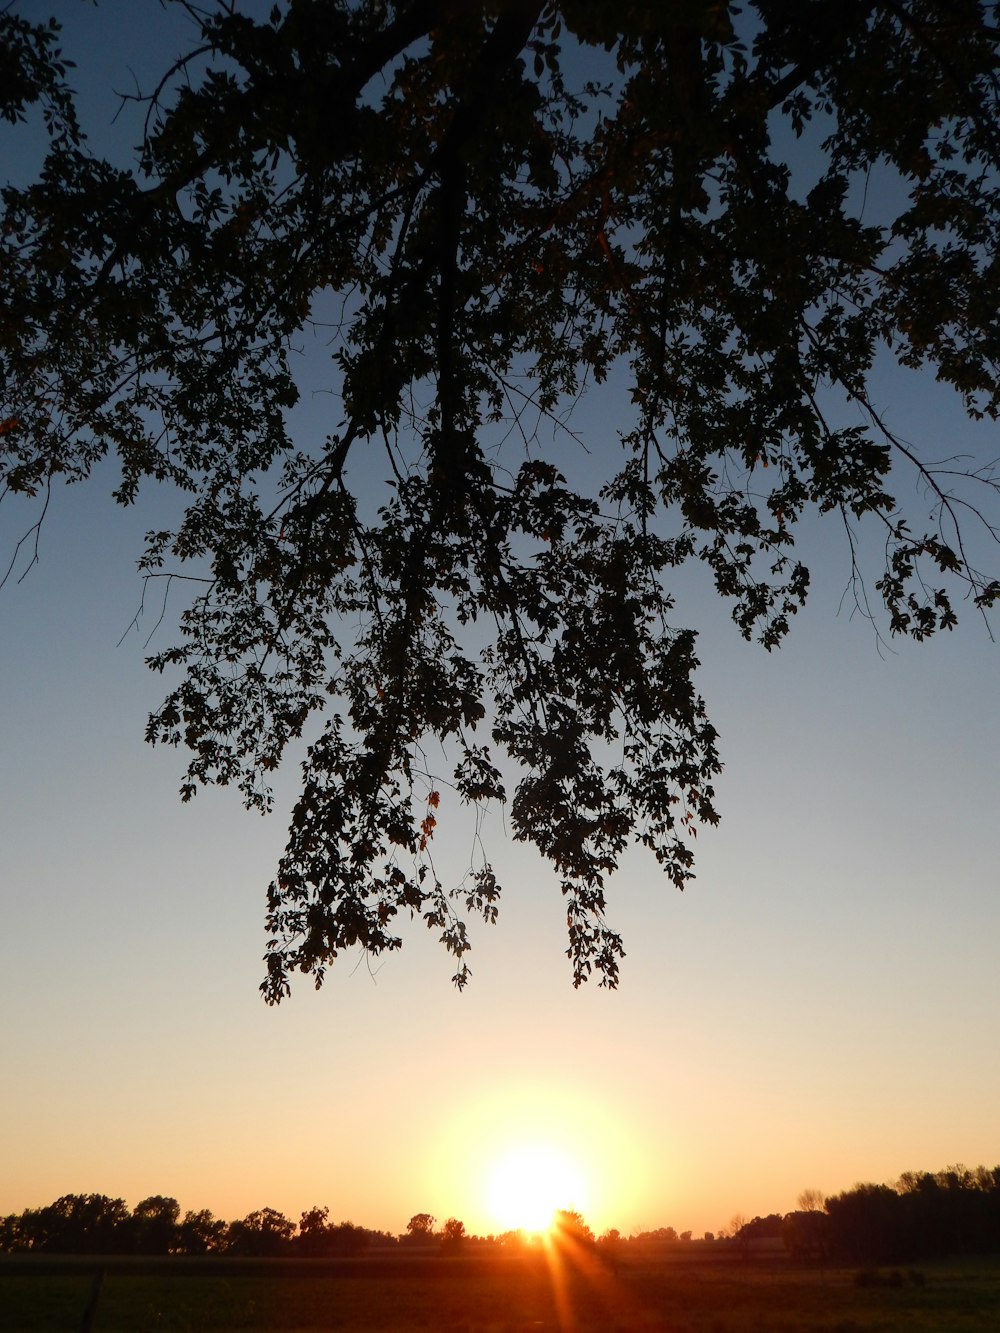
x=503 y=203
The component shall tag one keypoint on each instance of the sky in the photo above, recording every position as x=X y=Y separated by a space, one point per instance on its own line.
x=820 y=1006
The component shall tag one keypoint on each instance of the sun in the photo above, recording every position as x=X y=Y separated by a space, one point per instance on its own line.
x=529 y=1183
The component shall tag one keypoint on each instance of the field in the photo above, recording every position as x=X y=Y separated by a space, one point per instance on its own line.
x=494 y=1295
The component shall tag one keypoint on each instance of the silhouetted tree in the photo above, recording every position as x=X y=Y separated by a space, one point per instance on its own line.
x=758 y=1229
x=569 y=1225
x=805 y=1235
x=503 y=203
x=947 y=1212
x=264 y=1234
x=453 y=1235
x=805 y=1232
x=314 y=1233
x=14 y=1234
x=420 y=1228
x=154 y=1225
x=659 y=1235
x=609 y=1245
x=865 y=1224
x=201 y=1233
x=923 y=1215
x=80 y=1224
x=347 y=1239
x=734 y=1231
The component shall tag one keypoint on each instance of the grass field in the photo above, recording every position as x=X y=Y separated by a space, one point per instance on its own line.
x=507 y=1295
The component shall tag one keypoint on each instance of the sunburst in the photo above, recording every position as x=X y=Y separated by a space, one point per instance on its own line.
x=528 y=1183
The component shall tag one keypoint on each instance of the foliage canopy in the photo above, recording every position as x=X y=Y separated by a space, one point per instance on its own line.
x=502 y=202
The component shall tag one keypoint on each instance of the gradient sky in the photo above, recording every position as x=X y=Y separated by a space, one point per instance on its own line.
x=820 y=1007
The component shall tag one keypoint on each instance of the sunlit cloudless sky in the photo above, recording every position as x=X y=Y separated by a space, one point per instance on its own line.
x=819 y=1007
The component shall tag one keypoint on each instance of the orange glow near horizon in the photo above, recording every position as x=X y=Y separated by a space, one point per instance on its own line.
x=528 y=1183
x=508 y=1158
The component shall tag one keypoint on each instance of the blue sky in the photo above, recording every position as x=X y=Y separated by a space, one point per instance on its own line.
x=820 y=1007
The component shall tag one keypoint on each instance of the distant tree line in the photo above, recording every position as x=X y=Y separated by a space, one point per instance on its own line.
x=97 y=1224
x=660 y=1236
x=923 y=1215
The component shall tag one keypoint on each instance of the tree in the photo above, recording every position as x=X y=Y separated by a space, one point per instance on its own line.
x=864 y=1224
x=737 y=1230
x=262 y=1234
x=659 y=1235
x=314 y=1232
x=811 y=1201
x=347 y=1239
x=805 y=1231
x=200 y=1232
x=420 y=1228
x=453 y=1235
x=514 y=1240
x=569 y=1225
x=318 y=1237
x=80 y=1224
x=925 y=1215
x=487 y=230
x=155 y=1225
